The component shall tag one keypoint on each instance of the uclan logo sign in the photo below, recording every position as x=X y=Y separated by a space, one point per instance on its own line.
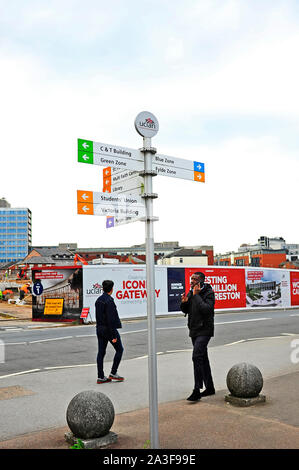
x=96 y=289
x=148 y=123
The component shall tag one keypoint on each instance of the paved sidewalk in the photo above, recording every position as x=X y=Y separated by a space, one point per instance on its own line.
x=33 y=416
x=208 y=424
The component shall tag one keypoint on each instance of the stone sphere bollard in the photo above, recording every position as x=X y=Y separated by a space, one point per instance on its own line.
x=90 y=414
x=244 y=380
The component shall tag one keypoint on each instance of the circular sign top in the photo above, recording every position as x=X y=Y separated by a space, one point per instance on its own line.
x=146 y=124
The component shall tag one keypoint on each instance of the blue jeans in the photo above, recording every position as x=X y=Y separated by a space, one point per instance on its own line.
x=102 y=343
x=201 y=364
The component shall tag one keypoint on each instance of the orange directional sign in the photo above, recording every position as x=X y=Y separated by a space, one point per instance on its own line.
x=107 y=171
x=85 y=208
x=85 y=196
x=199 y=176
x=106 y=183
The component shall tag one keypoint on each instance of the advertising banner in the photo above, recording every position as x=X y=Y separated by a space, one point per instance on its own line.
x=176 y=287
x=294 y=288
x=228 y=285
x=267 y=288
x=57 y=293
x=129 y=292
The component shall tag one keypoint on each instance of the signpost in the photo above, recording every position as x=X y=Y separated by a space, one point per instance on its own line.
x=127 y=197
x=147 y=126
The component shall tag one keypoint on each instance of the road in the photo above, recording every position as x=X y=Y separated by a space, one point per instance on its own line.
x=28 y=348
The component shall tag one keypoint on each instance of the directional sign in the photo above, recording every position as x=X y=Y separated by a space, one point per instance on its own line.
x=109 y=171
x=133 y=210
x=104 y=160
x=175 y=162
x=110 y=177
x=92 y=197
x=179 y=173
x=133 y=185
x=116 y=221
x=108 y=150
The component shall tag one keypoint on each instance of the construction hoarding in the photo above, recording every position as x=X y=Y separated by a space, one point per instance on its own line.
x=63 y=283
x=234 y=287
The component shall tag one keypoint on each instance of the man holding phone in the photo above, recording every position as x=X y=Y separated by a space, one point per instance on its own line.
x=198 y=304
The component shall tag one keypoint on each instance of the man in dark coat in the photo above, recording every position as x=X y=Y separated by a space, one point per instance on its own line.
x=107 y=324
x=198 y=304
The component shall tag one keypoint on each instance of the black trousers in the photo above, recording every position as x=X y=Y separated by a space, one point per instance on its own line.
x=102 y=346
x=201 y=364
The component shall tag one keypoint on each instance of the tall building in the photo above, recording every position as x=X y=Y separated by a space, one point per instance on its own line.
x=15 y=232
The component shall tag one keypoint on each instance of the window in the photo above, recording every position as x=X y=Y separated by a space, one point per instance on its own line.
x=255 y=262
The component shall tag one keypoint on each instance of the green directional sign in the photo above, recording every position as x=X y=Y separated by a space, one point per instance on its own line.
x=85 y=145
x=85 y=157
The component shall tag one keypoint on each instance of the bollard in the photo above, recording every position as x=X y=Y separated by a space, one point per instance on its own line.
x=245 y=383
x=90 y=415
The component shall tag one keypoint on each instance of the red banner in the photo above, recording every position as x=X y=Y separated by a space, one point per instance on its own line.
x=228 y=285
x=294 y=288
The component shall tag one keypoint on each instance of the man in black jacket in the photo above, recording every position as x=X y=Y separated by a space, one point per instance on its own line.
x=107 y=324
x=198 y=304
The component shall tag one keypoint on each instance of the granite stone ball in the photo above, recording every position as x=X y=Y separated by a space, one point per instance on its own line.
x=90 y=414
x=244 y=380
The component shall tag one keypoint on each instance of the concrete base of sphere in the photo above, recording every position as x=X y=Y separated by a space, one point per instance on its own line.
x=239 y=401
x=95 y=443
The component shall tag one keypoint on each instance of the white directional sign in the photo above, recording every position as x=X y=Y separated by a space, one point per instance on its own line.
x=111 y=209
x=175 y=162
x=116 y=162
x=112 y=177
x=179 y=173
x=93 y=197
x=114 y=221
x=133 y=185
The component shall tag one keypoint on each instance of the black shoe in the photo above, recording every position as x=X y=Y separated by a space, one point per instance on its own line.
x=208 y=392
x=195 y=396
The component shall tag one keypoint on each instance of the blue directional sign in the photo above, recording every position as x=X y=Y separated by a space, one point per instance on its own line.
x=200 y=167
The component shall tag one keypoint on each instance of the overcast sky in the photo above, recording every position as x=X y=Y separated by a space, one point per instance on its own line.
x=222 y=78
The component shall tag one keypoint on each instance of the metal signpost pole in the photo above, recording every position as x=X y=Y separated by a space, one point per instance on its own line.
x=147 y=125
x=151 y=307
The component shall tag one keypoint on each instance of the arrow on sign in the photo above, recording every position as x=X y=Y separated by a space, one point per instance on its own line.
x=85 y=145
x=199 y=176
x=84 y=196
x=109 y=222
x=85 y=208
x=85 y=157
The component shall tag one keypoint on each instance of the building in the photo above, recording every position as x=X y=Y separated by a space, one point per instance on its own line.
x=185 y=256
x=15 y=232
x=279 y=243
x=126 y=254
x=268 y=252
x=257 y=258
